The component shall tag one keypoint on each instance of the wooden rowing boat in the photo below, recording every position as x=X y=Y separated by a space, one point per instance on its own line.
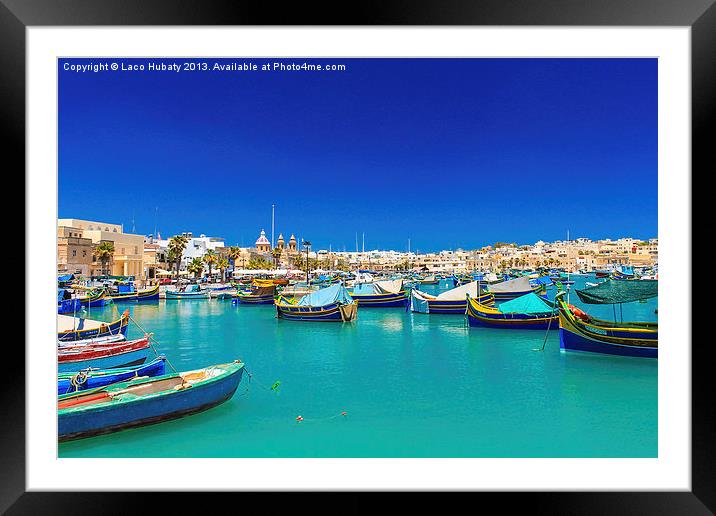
x=145 y=401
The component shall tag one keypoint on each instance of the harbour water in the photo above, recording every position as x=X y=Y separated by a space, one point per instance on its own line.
x=411 y=385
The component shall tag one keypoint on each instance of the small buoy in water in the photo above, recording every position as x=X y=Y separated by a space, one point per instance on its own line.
x=299 y=418
x=344 y=414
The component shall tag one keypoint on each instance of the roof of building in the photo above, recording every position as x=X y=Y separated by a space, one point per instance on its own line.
x=262 y=240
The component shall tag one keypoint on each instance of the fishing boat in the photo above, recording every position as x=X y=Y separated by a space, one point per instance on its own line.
x=380 y=294
x=452 y=301
x=429 y=280
x=580 y=332
x=92 y=378
x=149 y=294
x=123 y=354
x=511 y=289
x=96 y=341
x=145 y=401
x=332 y=303
x=189 y=292
x=259 y=294
x=93 y=299
x=601 y=273
x=528 y=312
x=75 y=328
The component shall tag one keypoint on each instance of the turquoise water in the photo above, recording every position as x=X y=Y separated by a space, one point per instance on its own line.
x=412 y=385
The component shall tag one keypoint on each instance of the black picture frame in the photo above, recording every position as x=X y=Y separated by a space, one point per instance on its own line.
x=700 y=15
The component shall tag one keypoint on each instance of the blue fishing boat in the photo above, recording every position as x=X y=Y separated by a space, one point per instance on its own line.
x=528 y=312
x=332 y=303
x=580 y=332
x=76 y=328
x=380 y=294
x=189 y=292
x=145 y=401
x=453 y=301
x=92 y=378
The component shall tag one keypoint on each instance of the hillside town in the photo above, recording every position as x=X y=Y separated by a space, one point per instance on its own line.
x=93 y=248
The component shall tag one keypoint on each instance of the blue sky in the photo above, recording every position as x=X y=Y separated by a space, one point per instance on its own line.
x=447 y=152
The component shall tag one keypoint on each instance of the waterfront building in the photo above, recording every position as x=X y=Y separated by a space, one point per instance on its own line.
x=74 y=252
x=128 y=256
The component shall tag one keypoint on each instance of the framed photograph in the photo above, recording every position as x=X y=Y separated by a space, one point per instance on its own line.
x=429 y=251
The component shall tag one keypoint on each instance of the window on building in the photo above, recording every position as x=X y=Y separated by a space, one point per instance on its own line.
x=74 y=252
x=84 y=253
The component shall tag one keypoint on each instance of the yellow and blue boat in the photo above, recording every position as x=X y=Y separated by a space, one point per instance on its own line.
x=331 y=304
x=380 y=294
x=580 y=332
x=528 y=312
x=76 y=328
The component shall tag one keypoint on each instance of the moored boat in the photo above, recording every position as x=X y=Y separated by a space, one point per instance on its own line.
x=380 y=294
x=149 y=294
x=122 y=354
x=528 y=312
x=190 y=292
x=93 y=299
x=580 y=332
x=511 y=289
x=453 y=301
x=76 y=328
x=145 y=401
x=332 y=303
x=92 y=378
x=259 y=294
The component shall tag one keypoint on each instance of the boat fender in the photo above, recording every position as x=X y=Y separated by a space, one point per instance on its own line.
x=579 y=313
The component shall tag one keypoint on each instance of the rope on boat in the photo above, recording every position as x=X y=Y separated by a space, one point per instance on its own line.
x=151 y=338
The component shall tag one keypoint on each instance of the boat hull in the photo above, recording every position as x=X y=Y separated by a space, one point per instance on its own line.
x=112 y=328
x=105 y=377
x=186 y=295
x=151 y=294
x=328 y=313
x=381 y=300
x=255 y=300
x=458 y=307
x=126 y=359
x=623 y=342
x=477 y=317
x=119 y=415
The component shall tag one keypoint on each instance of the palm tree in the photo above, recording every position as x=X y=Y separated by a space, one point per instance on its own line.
x=210 y=258
x=223 y=264
x=176 y=247
x=104 y=252
x=234 y=253
x=196 y=267
x=276 y=254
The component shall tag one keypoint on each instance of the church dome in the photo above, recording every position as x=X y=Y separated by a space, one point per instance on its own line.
x=262 y=239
